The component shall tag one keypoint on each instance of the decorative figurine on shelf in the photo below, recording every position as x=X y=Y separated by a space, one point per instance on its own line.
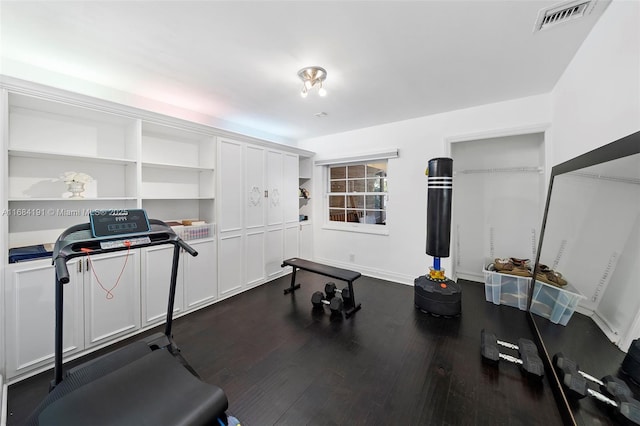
x=75 y=183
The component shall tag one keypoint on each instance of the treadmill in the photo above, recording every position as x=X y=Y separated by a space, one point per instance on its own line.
x=146 y=382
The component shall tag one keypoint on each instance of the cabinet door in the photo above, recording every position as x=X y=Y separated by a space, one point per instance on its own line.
x=30 y=315
x=291 y=233
x=200 y=274
x=291 y=185
x=230 y=264
x=255 y=257
x=274 y=251
x=305 y=250
x=230 y=194
x=275 y=200
x=254 y=187
x=155 y=281
x=112 y=296
x=255 y=216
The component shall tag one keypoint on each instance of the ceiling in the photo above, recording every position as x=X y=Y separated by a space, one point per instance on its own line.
x=235 y=63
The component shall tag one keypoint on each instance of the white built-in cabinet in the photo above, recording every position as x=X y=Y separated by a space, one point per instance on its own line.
x=305 y=241
x=111 y=285
x=101 y=301
x=29 y=314
x=254 y=215
x=156 y=276
x=291 y=174
x=90 y=316
x=196 y=282
x=258 y=213
x=230 y=221
x=245 y=190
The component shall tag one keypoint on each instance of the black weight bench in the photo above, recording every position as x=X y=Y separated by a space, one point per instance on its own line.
x=326 y=270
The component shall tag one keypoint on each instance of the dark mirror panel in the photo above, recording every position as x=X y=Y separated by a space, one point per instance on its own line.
x=585 y=301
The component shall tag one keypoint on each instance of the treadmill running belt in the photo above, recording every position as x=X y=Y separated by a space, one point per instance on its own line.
x=153 y=390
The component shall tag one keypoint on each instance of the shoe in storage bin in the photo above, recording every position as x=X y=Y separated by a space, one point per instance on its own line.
x=506 y=289
x=557 y=304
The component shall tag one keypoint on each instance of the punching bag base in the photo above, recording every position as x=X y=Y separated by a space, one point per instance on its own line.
x=438 y=297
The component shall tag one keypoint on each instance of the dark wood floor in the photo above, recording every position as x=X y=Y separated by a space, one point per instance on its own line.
x=280 y=363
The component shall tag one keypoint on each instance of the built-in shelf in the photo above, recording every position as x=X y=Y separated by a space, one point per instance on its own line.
x=63 y=156
x=166 y=168
x=179 y=198
x=177 y=167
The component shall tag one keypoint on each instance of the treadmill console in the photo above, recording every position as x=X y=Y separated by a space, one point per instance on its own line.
x=114 y=223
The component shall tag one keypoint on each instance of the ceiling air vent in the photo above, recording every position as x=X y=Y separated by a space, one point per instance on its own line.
x=563 y=12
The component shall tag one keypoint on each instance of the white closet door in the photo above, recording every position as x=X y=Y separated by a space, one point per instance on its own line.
x=274 y=250
x=291 y=185
x=255 y=215
x=230 y=264
x=276 y=198
x=255 y=187
x=230 y=194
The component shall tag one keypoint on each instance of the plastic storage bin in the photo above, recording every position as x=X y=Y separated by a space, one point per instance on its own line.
x=557 y=304
x=506 y=289
x=196 y=232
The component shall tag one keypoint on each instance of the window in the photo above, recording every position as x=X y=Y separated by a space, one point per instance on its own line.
x=358 y=193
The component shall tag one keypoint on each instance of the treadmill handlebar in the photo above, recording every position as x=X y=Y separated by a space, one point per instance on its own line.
x=187 y=247
x=62 y=273
x=77 y=241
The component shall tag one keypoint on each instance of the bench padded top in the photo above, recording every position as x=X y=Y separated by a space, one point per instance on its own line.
x=318 y=268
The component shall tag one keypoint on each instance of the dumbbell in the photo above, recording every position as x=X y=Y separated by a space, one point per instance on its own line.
x=576 y=385
x=330 y=290
x=529 y=361
x=318 y=301
x=576 y=380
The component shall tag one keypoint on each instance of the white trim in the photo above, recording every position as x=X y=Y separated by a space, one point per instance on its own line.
x=629 y=335
x=607 y=329
x=395 y=277
x=28 y=88
x=495 y=133
x=3 y=402
x=356 y=227
x=357 y=158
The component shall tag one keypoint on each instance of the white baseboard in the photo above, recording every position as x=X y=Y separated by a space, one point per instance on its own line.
x=470 y=276
x=3 y=401
x=370 y=272
x=607 y=329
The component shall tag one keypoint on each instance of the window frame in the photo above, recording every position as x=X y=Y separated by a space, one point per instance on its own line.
x=370 y=228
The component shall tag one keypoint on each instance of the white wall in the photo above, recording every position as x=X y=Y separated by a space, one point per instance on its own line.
x=400 y=256
x=597 y=99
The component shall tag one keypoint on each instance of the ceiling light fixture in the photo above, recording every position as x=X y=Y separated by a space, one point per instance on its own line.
x=312 y=77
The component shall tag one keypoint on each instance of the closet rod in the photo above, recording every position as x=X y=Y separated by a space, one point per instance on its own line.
x=635 y=181
x=501 y=170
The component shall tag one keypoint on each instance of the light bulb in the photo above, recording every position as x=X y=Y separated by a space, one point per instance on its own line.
x=304 y=92
x=322 y=91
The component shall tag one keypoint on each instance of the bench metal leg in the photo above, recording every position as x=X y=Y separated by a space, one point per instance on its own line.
x=356 y=306
x=293 y=286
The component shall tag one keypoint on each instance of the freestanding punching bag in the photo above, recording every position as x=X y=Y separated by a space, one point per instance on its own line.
x=435 y=293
